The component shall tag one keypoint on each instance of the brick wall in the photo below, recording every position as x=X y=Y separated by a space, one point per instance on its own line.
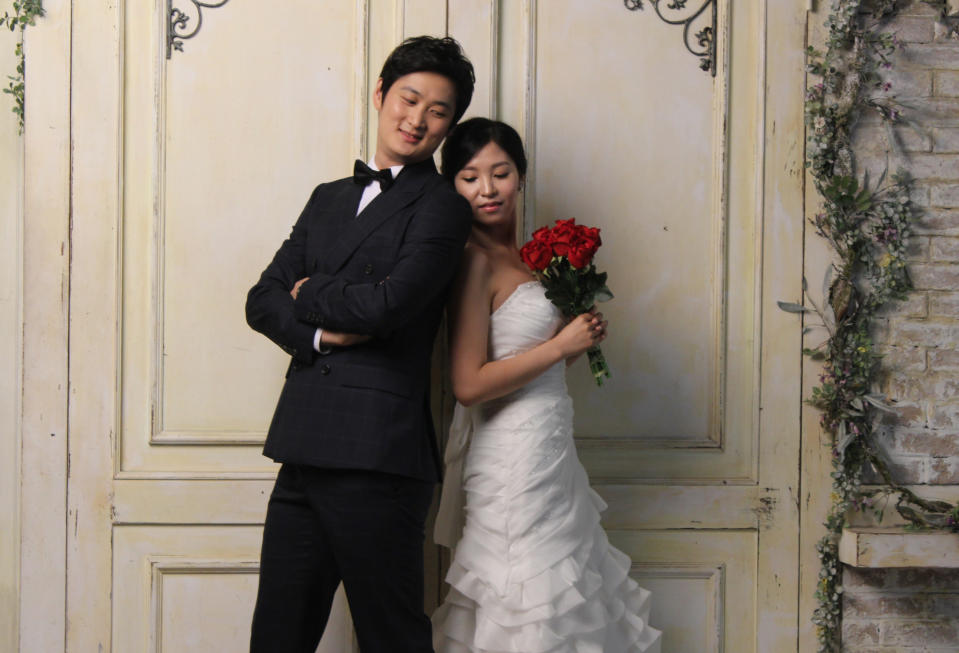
x=918 y=609
x=887 y=610
x=920 y=335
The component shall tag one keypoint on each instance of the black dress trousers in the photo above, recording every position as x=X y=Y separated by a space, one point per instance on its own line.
x=363 y=528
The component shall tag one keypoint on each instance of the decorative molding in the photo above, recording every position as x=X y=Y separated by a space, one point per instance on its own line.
x=177 y=31
x=494 y=37
x=362 y=89
x=601 y=447
x=200 y=437
x=162 y=567
x=268 y=474
x=712 y=440
x=399 y=20
x=192 y=502
x=714 y=579
x=530 y=10
x=148 y=440
x=701 y=44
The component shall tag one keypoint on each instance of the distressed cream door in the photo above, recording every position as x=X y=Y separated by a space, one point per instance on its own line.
x=696 y=182
x=191 y=161
x=188 y=168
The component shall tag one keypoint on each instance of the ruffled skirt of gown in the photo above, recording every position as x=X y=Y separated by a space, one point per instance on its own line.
x=534 y=571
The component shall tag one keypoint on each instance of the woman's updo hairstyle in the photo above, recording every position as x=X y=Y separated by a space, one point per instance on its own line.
x=471 y=136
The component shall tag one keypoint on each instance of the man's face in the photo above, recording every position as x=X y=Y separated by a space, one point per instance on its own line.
x=415 y=116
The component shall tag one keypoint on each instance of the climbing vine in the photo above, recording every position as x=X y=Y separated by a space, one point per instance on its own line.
x=867 y=223
x=25 y=12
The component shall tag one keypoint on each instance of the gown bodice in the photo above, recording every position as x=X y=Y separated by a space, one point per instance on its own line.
x=526 y=319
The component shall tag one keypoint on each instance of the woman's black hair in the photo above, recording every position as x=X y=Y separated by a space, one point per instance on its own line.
x=469 y=137
x=430 y=54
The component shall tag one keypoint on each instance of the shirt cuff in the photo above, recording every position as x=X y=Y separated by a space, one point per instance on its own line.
x=317 y=345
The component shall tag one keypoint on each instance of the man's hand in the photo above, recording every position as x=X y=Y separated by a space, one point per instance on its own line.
x=296 y=287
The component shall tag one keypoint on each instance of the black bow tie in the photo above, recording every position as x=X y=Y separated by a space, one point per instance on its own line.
x=365 y=175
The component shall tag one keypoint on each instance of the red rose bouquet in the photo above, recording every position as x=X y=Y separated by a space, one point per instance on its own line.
x=561 y=257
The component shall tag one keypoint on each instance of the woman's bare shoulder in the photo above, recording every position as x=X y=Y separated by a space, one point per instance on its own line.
x=476 y=262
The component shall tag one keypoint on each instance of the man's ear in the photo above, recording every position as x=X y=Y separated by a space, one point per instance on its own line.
x=378 y=95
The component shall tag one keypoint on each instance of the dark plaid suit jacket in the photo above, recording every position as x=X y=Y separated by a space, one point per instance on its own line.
x=386 y=273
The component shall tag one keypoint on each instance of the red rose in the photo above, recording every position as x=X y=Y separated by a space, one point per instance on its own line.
x=536 y=254
x=579 y=255
x=563 y=235
x=591 y=235
x=542 y=234
x=589 y=241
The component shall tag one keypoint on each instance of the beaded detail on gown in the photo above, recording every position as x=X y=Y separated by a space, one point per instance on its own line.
x=533 y=571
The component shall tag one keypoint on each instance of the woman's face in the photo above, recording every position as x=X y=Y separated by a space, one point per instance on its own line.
x=491 y=183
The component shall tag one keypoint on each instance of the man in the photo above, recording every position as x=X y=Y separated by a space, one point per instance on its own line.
x=371 y=255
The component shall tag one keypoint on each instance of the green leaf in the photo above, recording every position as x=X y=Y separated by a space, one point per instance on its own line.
x=603 y=295
x=879 y=401
x=814 y=354
x=844 y=438
x=827 y=278
x=791 y=307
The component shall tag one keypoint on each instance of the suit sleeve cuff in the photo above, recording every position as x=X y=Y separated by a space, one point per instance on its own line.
x=318 y=343
x=301 y=344
x=303 y=305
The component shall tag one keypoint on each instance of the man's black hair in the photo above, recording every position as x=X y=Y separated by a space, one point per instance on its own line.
x=435 y=55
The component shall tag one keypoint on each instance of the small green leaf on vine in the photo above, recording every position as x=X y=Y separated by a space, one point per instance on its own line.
x=25 y=12
x=791 y=307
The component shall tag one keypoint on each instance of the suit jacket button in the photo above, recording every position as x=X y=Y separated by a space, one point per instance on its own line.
x=325 y=370
x=368 y=269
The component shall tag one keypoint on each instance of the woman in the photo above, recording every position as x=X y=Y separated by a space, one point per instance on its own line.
x=532 y=570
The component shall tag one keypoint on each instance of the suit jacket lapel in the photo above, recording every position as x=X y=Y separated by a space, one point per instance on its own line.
x=409 y=185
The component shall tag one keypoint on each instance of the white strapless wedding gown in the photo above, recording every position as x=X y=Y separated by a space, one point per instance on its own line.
x=533 y=571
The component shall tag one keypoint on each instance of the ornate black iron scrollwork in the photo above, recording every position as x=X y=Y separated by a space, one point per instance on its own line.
x=702 y=44
x=177 y=30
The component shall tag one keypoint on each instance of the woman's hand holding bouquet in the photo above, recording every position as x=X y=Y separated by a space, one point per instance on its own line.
x=561 y=257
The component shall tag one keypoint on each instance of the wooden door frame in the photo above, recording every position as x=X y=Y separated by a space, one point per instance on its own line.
x=11 y=352
x=44 y=434
x=781 y=401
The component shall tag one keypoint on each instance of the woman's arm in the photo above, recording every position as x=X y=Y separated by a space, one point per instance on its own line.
x=476 y=379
